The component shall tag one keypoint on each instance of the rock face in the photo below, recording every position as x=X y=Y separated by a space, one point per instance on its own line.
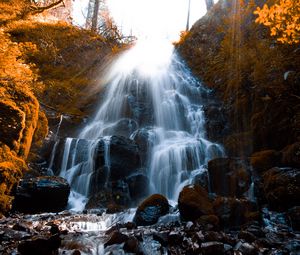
x=229 y=176
x=193 y=202
x=124 y=157
x=264 y=160
x=151 y=209
x=282 y=187
x=234 y=212
x=42 y=194
x=291 y=155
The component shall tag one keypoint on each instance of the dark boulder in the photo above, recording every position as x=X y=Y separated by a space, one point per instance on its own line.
x=264 y=160
x=123 y=156
x=229 y=176
x=40 y=246
x=281 y=187
x=151 y=210
x=212 y=248
x=113 y=200
x=291 y=155
x=138 y=186
x=193 y=202
x=116 y=238
x=42 y=194
x=132 y=246
x=234 y=212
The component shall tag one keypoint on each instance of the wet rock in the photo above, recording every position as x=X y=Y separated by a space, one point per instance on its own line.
x=282 y=187
x=20 y=227
x=7 y=234
x=124 y=157
x=54 y=229
x=238 y=144
x=291 y=155
x=114 y=201
x=42 y=194
x=213 y=236
x=215 y=122
x=142 y=138
x=234 y=212
x=132 y=245
x=247 y=236
x=138 y=186
x=161 y=237
x=150 y=210
x=264 y=160
x=40 y=246
x=175 y=238
x=246 y=248
x=124 y=127
x=294 y=218
x=212 y=248
x=193 y=202
x=212 y=220
x=229 y=176
x=293 y=246
x=76 y=252
x=116 y=238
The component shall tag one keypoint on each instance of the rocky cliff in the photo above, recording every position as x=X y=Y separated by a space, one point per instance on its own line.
x=41 y=78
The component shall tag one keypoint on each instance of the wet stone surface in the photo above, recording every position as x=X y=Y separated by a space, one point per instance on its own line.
x=97 y=233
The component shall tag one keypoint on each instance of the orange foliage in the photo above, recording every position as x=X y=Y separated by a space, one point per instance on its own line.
x=283 y=19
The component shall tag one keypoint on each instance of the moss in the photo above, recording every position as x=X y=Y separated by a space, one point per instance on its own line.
x=66 y=61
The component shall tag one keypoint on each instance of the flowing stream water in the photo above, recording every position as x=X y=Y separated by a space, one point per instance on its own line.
x=149 y=90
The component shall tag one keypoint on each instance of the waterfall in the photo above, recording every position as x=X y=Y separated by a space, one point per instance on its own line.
x=150 y=90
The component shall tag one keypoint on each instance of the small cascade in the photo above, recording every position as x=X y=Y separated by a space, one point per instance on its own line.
x=150 y=94
x=58 y=126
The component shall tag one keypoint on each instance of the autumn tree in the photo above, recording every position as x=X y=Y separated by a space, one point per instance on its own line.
x=283 y=19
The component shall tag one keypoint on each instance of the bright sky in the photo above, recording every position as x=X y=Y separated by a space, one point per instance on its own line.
x=147 y=18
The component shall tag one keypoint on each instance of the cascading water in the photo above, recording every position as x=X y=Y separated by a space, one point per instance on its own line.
x=150 y=91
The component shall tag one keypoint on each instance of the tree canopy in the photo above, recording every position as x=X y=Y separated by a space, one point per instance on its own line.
x=283 y=19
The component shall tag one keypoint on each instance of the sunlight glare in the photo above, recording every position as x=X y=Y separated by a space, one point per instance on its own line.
x=148 y=57
x=155 y=18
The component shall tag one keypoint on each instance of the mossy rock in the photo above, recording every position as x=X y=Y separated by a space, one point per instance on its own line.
x=151 y=209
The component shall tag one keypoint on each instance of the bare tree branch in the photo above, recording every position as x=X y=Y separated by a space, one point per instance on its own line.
x=34 y=9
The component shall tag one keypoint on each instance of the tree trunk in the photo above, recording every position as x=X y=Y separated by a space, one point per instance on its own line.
x=94 y=26
x=188 y=17
x=209 y=4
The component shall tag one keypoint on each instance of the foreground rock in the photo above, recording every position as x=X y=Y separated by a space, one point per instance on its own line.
x=42 y=194
x=40 y=246
x=194 y=202
x=282 y=187
x=234 y=212
x=151 y=210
